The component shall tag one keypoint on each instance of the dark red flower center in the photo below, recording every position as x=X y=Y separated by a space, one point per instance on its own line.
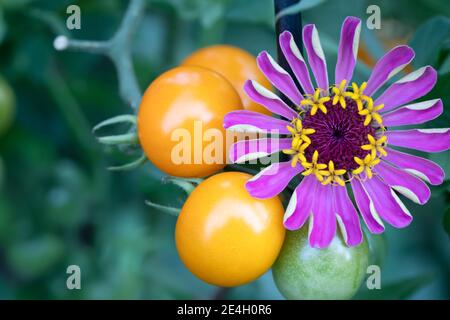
x=339 y=135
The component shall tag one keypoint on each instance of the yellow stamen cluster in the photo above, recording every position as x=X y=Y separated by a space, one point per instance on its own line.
x=358 y=95
x=375 y=146
x=371 y=112
x=316 y=102
x=340 y=94
x=318 y=169
x=300 y=141
x=366 y=165
x=334 y=175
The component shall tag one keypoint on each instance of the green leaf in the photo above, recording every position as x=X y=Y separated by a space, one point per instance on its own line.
x=398 y=290
x=446 y=221
x=127 y=138
x=165 y=209
x=34 y=257
x=298 y=7
x=124 y=118
x=131 y=165
x=186 y=185
x=428 y=40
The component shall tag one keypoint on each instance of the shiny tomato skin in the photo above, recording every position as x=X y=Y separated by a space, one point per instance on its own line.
x=304 y=273
x=186 y=100
x=236 y=65
x=224 y=236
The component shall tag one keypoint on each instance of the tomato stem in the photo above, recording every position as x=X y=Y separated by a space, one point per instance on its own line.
x=117 y=49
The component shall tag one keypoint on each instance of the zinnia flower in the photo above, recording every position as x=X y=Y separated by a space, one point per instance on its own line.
x=341 y=136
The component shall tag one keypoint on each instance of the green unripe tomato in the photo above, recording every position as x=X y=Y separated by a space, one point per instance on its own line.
x=7 y=106
x=303 y=272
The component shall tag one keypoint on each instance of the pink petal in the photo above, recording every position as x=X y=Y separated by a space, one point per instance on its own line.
x=300 y=204
x=370 y=217
x=411 y=187
x=272 y=180
x=247 y=150
x=386 y=203
x=296 y=61
x=348 y=49
x=428 y=140
x=279 y=77
x=347 y=217
x=420 y=167
x=323 y=220
x=408 y=88
x=416 y=113
x=250 y=121
x=268 y=99
x=388 y=66
x=316 y=57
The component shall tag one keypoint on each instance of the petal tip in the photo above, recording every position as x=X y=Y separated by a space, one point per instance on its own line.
x=286 y=34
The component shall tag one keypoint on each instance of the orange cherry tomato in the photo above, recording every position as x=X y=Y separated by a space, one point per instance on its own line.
x=180 y=121
x=226 y=237
x=236 y=65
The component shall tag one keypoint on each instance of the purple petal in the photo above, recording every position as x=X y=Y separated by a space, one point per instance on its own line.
x=296 y=61
x=411 y=87
x=386 y=203
x=347 y=217
x=388 y=66
x=428 y=140
x=272 y=180
x=268 y=99
x=316 y=57
x=370 y=217
x=250 y=121
x=300 y=204
x=348 y=49
x=414 y=113
x=411 y=187
x=323 y=220
x=279 y=77
x=247 y=150
x=420 y=167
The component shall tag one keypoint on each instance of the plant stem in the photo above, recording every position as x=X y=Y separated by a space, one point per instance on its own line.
x=121 y=55
x=117 y=49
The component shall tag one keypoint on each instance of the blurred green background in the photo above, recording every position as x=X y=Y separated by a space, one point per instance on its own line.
x=59 y=205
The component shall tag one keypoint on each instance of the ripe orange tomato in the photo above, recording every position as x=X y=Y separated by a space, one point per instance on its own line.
x=234 y=64
x=180 y=121
x=226 y=237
